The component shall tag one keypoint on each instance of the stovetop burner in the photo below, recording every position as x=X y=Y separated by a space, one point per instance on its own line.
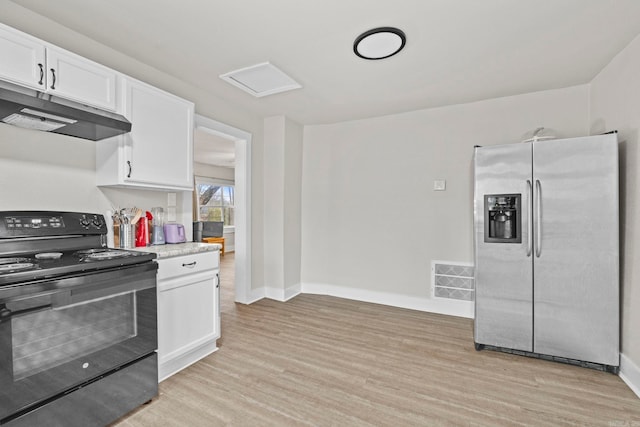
x=49 y=255
x=13 y=265
x=94 y=251
x=19 y=266
x=53 y=264
x=4 y=261
x=101 y=254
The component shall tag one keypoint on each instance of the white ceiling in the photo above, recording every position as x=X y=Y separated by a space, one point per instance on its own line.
x=457 y=51
x=213 y=150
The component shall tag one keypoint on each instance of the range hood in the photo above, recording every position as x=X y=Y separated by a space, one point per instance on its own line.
x=34 y=110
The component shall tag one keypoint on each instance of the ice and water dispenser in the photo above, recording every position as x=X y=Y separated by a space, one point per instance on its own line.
x=503 y=218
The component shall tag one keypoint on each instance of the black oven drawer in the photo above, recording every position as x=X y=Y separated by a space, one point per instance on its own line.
x=102 y=401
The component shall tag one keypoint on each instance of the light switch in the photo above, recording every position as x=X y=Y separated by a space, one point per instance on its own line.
x=171 y=199
x=439 y=185
x=171 y=214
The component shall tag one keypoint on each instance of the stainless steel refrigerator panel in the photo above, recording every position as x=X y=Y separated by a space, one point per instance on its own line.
x=503 y=274
x=576 y=264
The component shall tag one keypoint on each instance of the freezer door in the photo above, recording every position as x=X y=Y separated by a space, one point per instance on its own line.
x=503 y=274
x=576 y=264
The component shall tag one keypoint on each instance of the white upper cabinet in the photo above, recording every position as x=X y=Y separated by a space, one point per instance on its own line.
x=158 y=152
x=29 y=62
x=23 y=59
x=160 y=145
x=76 y=78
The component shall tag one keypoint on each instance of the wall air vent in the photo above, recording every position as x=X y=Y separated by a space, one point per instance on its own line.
x=261 y=80
x=452 y=280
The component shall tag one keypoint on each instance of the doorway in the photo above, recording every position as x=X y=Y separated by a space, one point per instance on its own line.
x=242 y=183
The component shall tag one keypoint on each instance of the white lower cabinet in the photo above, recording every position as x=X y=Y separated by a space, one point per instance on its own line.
x=188 y=310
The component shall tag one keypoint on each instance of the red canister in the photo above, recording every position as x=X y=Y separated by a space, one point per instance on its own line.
x=142 y=232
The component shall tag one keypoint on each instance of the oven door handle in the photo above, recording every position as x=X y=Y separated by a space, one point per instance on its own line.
x=83 y=287
x=88 y=294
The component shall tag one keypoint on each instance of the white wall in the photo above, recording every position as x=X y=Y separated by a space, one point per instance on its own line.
x=282 y=216
x=371 y=222
x=292 y=214
x=273 y=187
x=44 y=171
x=615 y=105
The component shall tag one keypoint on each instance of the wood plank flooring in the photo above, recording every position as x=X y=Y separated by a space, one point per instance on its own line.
x=324 y=361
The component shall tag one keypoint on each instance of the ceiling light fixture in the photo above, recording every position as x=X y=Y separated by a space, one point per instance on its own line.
x=379 y=43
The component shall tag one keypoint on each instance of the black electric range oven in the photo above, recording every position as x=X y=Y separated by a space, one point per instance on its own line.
x=78 y=322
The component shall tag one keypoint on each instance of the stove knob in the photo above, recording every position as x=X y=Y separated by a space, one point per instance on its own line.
x=97 y=223
x=84 y=222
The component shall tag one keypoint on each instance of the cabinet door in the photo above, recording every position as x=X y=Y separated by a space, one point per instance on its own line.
x=159 y=149
x=73 y=77
x=22 y=59
x=217 y=314
x=187 y=315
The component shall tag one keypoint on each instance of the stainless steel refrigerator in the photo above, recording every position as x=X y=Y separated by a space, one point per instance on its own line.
x=546 y=249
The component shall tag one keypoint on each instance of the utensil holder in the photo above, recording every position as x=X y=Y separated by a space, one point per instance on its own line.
x=127 y=237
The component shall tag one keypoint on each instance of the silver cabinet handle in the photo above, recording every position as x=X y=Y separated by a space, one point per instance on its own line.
x=190 y=264
x=538 y=218
x=529 y=218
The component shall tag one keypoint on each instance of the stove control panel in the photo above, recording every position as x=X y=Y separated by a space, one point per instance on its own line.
x=46 y=223
x=30 y=222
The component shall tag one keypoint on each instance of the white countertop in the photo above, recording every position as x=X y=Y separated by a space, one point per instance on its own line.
x=178 y=249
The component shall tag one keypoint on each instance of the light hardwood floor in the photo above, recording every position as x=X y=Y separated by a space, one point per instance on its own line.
x=324 y=361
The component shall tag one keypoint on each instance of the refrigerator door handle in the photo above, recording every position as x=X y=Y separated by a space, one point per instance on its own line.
x=538 y=218
x=529 y=219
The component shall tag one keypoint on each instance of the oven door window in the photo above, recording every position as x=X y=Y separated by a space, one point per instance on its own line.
x=48 y=338
x=72 y=330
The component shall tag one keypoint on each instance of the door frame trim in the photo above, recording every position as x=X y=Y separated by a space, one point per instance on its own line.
x=242 y=140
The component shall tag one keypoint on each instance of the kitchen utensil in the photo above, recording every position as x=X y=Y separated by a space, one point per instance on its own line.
x=136 y=216
x=126 y=236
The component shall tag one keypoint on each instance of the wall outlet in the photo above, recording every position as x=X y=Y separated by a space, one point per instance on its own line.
x=439 y=185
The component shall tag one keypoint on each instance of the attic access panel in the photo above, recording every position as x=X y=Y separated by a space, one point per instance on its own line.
x=261 y=80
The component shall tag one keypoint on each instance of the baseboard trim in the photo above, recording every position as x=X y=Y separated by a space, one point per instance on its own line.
x=630 y=374
x=432 y=305
x=167 y=368
x=254 y=296
x=283 y=295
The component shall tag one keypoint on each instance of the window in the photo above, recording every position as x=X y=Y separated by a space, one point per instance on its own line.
x=215 y=200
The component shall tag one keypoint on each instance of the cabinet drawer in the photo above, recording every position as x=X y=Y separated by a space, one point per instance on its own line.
x=187 y=264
